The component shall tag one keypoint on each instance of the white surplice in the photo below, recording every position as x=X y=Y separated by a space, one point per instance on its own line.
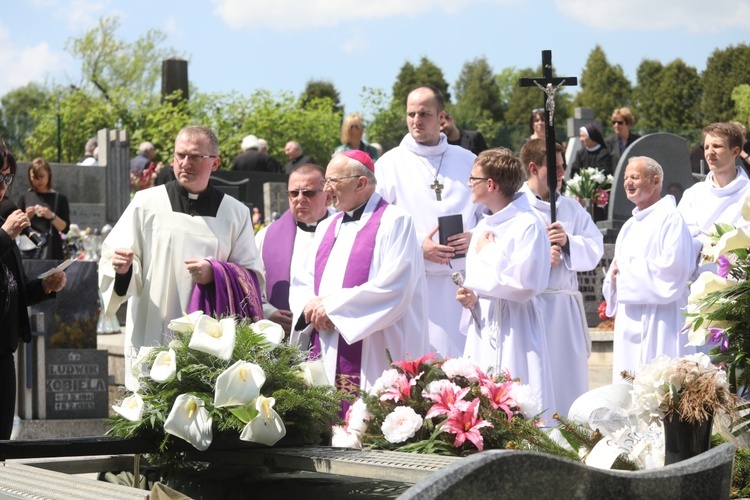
x=507 y=277
x=405 y=175
x=162 y=239
x=654 y=252
x=389 y=311
x=566 y=330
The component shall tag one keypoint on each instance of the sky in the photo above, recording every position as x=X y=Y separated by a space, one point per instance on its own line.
x=279 y=45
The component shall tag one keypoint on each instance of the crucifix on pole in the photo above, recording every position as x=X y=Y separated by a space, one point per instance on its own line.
x=549 y=85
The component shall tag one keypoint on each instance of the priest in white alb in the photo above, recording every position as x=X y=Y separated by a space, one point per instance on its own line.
x=426 y=176
x=362 y=288
x=576 y=246
x=646 y=286
x=507 y=267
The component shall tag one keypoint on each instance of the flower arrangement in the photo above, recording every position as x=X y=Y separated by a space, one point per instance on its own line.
x=590 y=184
x=227 y=377
x=719 y=303
x=690 y=388
x=431 y=405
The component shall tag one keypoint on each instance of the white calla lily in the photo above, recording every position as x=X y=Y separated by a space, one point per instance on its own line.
x=267 y=427
x=273 y=332
x=214 y=337
x=189 y=420
x=185 y=323
x=138 y=370
x=164 y=368
x=732 y=240
x=707 y=283
x=746 y=209
x=239 y=384
x=314 y=373
x=130 y=408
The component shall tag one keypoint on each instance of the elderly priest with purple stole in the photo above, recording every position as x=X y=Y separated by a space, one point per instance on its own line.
x=362 y=290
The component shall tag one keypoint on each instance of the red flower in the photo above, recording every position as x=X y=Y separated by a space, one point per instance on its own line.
x=602 y=309
x=411 y=366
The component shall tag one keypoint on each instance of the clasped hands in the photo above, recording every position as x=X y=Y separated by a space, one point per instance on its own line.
x=315 y=313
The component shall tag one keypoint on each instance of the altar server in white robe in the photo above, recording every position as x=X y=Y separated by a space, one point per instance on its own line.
x=720 y=197
x=159 y=249
x=507 y=267
x=576 y=246
x=646 y=286
x=362 y=287
x=426 y=176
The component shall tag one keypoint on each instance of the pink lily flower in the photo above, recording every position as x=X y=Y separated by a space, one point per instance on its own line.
x=465 y=425
x=401 y=391
x=411 y=366
x=446 y=400
x=499 y=395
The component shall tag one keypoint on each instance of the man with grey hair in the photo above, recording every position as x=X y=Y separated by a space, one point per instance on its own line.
x=253 y=159
x=144 y=160
x=89 y=158
x=646 y=286
x=293 y=151
x=362 y=288
x=178 y=241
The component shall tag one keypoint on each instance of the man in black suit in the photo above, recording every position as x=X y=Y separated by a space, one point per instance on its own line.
x=472 y=140
x=293 y=151
x=622 y=121
x=253 y=159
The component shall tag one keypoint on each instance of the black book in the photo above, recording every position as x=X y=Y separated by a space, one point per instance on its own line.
x=448 y=225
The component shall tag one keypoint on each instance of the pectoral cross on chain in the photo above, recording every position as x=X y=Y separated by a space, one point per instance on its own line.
x=438 y=189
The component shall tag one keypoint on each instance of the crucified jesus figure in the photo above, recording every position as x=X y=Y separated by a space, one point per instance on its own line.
x=550 y=104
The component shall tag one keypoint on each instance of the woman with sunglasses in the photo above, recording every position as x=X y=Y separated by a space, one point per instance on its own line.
x=352 y=130
x=16 y=291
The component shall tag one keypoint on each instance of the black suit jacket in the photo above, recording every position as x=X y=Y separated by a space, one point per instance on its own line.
x=613 y=145
x=253 y=160
x=30 y=292
x=471 y=140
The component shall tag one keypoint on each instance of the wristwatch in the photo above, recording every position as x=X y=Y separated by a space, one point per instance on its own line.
x=54 y=216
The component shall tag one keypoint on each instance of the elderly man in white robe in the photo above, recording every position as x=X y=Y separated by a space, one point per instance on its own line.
x=646 y=286
x=426 y=176
x=576 y=246
x=507 y=267
x=720 y=197
x=362 y=288
x=160 y=248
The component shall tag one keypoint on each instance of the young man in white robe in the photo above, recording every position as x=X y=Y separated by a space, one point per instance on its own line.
x=576 y=246
x=159 y=249
x=426 y=176
x=646 y=286
x=720 y=197
x=507 y=267
x=362 y=287
x=289 y=238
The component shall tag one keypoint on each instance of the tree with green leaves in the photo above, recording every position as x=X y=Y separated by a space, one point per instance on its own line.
x=17 y=121
x=741 y=98
x=667 y=98
x=319 y=89
x=645 y=106
x=427 y=73
x=725 y=69
x=478 y=105
x=604 y=87
x=388 y=125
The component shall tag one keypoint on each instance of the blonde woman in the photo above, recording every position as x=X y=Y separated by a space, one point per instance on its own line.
x=352 y=131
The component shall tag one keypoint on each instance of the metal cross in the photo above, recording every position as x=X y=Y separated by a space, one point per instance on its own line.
x=549 y=85
x=438 y=189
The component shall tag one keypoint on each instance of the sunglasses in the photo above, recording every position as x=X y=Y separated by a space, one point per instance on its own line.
x=8 y=178
x=618 y=122
x=307 y=193
x=537 y=110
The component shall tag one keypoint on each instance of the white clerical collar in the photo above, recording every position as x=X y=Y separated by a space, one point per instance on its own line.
x=422 y=150
x=192 y=196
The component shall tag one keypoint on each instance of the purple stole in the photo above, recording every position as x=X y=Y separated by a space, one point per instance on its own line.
x=235 y=292
x=349 y=362
x=278 y=247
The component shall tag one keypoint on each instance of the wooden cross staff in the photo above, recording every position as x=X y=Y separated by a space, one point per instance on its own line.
x=549 y=85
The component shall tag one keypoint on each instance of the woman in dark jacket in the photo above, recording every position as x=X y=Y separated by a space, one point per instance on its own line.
x=16 y=291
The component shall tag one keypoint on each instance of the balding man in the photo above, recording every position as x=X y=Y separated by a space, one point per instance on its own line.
x=362 y=288
x=646 y=284
x=289 y=239
x=293 y=151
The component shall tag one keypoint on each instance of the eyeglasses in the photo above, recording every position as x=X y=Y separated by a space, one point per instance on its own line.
x=618 y=122
x=192 y=158
x=8 y=178
x=307 y=193
x=357 y=126
x=473 y=180
x=537 y=110
x=335 y=180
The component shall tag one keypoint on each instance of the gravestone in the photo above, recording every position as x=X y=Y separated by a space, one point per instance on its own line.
x=250 y=185
x=671 y=151
x=174 y=77
x=77 y=383
x=525 y=474
x=275 y=198
x=590 y=285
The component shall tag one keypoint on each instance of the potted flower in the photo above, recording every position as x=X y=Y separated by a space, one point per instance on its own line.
x=591 y=187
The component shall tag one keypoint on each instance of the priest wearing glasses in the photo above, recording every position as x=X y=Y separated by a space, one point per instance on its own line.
x=362 y=288
x=426 y=176
x=179 y=247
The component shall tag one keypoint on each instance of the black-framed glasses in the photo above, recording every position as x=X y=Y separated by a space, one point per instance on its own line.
x=336 y=180
x=618 y=122
x=7 y=178
x=476 y=179
x=191 y=157
x=307 y=193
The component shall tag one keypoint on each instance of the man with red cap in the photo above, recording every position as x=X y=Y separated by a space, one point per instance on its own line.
x=362 y=288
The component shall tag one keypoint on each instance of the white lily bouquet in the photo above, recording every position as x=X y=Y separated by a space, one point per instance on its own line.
x=226 y=377
x=590 y=184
